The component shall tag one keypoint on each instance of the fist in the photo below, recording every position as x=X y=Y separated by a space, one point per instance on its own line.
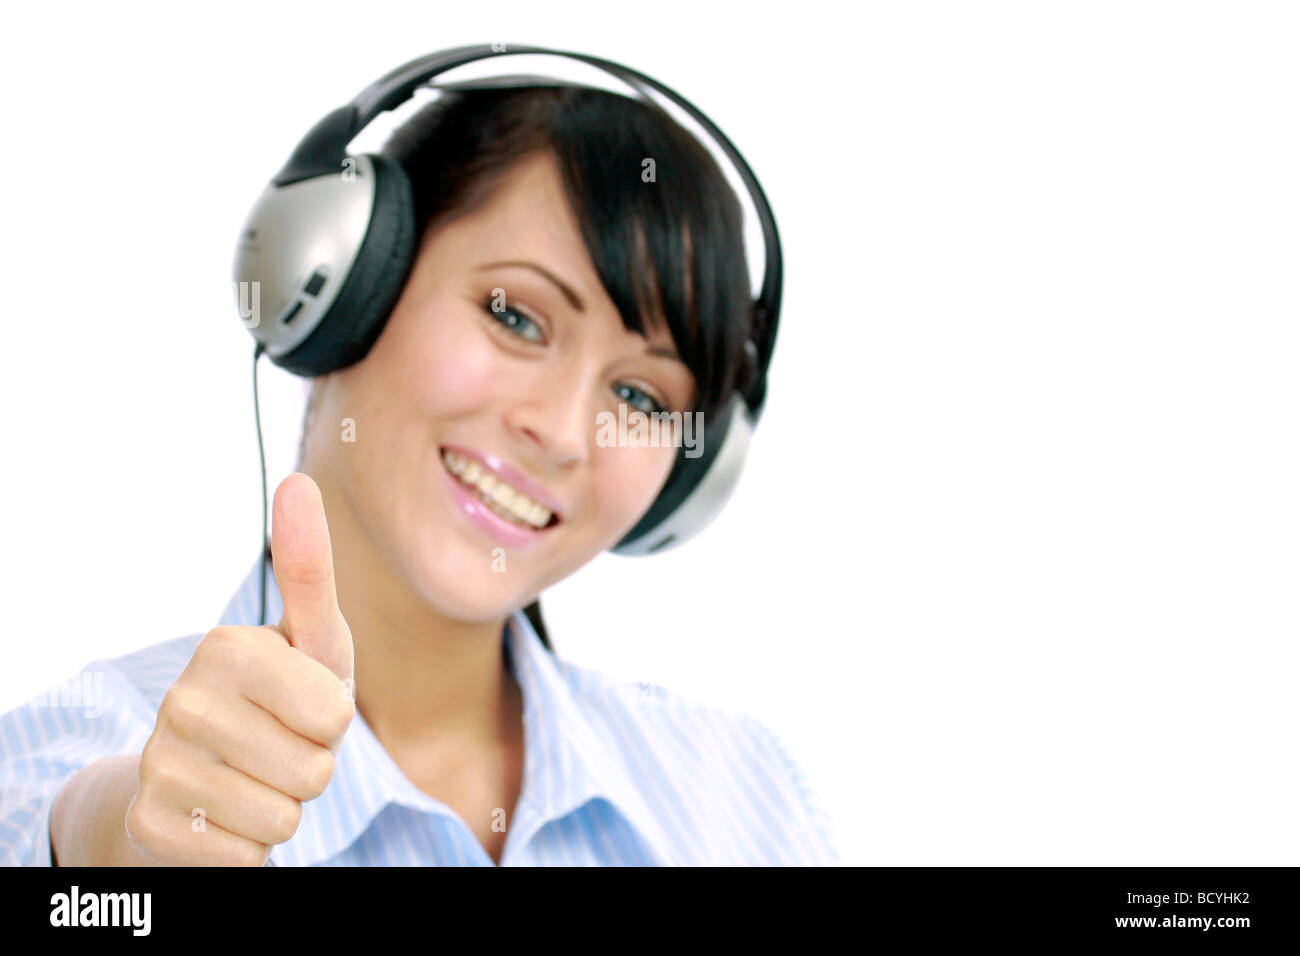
x=251 y=727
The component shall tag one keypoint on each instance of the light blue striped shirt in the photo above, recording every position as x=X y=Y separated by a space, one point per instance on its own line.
x=615 y=773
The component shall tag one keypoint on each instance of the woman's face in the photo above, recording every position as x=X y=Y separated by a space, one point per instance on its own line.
x=520 y=384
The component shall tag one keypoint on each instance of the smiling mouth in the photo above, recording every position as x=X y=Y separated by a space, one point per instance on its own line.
x=505 y=500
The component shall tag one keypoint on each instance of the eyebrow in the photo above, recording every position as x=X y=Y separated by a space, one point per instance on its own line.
x=520 y=263
x=663 y=351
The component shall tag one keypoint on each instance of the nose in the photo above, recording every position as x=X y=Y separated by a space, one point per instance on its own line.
x=556 y=416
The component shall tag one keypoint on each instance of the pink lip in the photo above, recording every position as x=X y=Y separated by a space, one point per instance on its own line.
x=505 y=473
x=473 y=507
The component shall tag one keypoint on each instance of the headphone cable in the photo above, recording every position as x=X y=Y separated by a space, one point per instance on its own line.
x=264 y=545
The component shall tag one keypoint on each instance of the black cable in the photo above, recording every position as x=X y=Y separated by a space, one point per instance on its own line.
x=261 y=454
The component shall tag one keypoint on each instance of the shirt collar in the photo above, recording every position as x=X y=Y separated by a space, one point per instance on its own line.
x=566 y=762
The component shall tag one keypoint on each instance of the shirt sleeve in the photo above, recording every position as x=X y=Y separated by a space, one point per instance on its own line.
x=97 y=713
x=812 y=826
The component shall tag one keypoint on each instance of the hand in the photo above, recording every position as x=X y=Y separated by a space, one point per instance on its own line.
x=251 y=727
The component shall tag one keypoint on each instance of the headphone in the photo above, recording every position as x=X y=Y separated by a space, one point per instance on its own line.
x=329 y=243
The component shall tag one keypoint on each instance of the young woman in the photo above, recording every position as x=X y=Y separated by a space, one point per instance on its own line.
x=408 y=708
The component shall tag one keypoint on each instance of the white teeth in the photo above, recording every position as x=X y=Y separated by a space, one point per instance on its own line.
x=506 y=500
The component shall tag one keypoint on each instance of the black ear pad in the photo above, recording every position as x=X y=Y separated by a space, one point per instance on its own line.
x=373 y=284
x=683 y=480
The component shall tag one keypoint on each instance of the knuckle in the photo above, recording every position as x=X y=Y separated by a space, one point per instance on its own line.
x=152 y=760
x=162 y=780
x=188 y=710
x=148 y=754
x=220 y=637
x=318 y=772
x=168 y=702
x=140 y=828
x=328 y=713
x=226 y=644
x=338 y=715
x=285 y=819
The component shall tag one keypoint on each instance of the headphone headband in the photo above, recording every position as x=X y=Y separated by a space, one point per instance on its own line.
x=322 y=150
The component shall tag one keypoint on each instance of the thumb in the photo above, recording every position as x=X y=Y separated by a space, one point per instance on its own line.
x=304 y=572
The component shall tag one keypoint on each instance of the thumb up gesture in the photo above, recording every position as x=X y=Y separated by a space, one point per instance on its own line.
x=304 y=572
x=251 y=727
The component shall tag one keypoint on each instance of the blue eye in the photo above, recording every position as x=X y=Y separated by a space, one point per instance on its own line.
x=649 y=400
x=514 y=321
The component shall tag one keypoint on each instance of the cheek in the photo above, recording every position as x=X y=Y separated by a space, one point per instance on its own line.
x=447 y=365
x=628 y=480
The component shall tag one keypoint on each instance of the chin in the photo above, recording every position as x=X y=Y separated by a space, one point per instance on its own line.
x=463 y=585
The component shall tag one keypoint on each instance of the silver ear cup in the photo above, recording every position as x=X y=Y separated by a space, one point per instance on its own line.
x=296 y=248
x=706 y=500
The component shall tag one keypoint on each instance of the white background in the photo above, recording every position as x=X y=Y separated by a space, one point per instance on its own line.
x=1013 y=567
